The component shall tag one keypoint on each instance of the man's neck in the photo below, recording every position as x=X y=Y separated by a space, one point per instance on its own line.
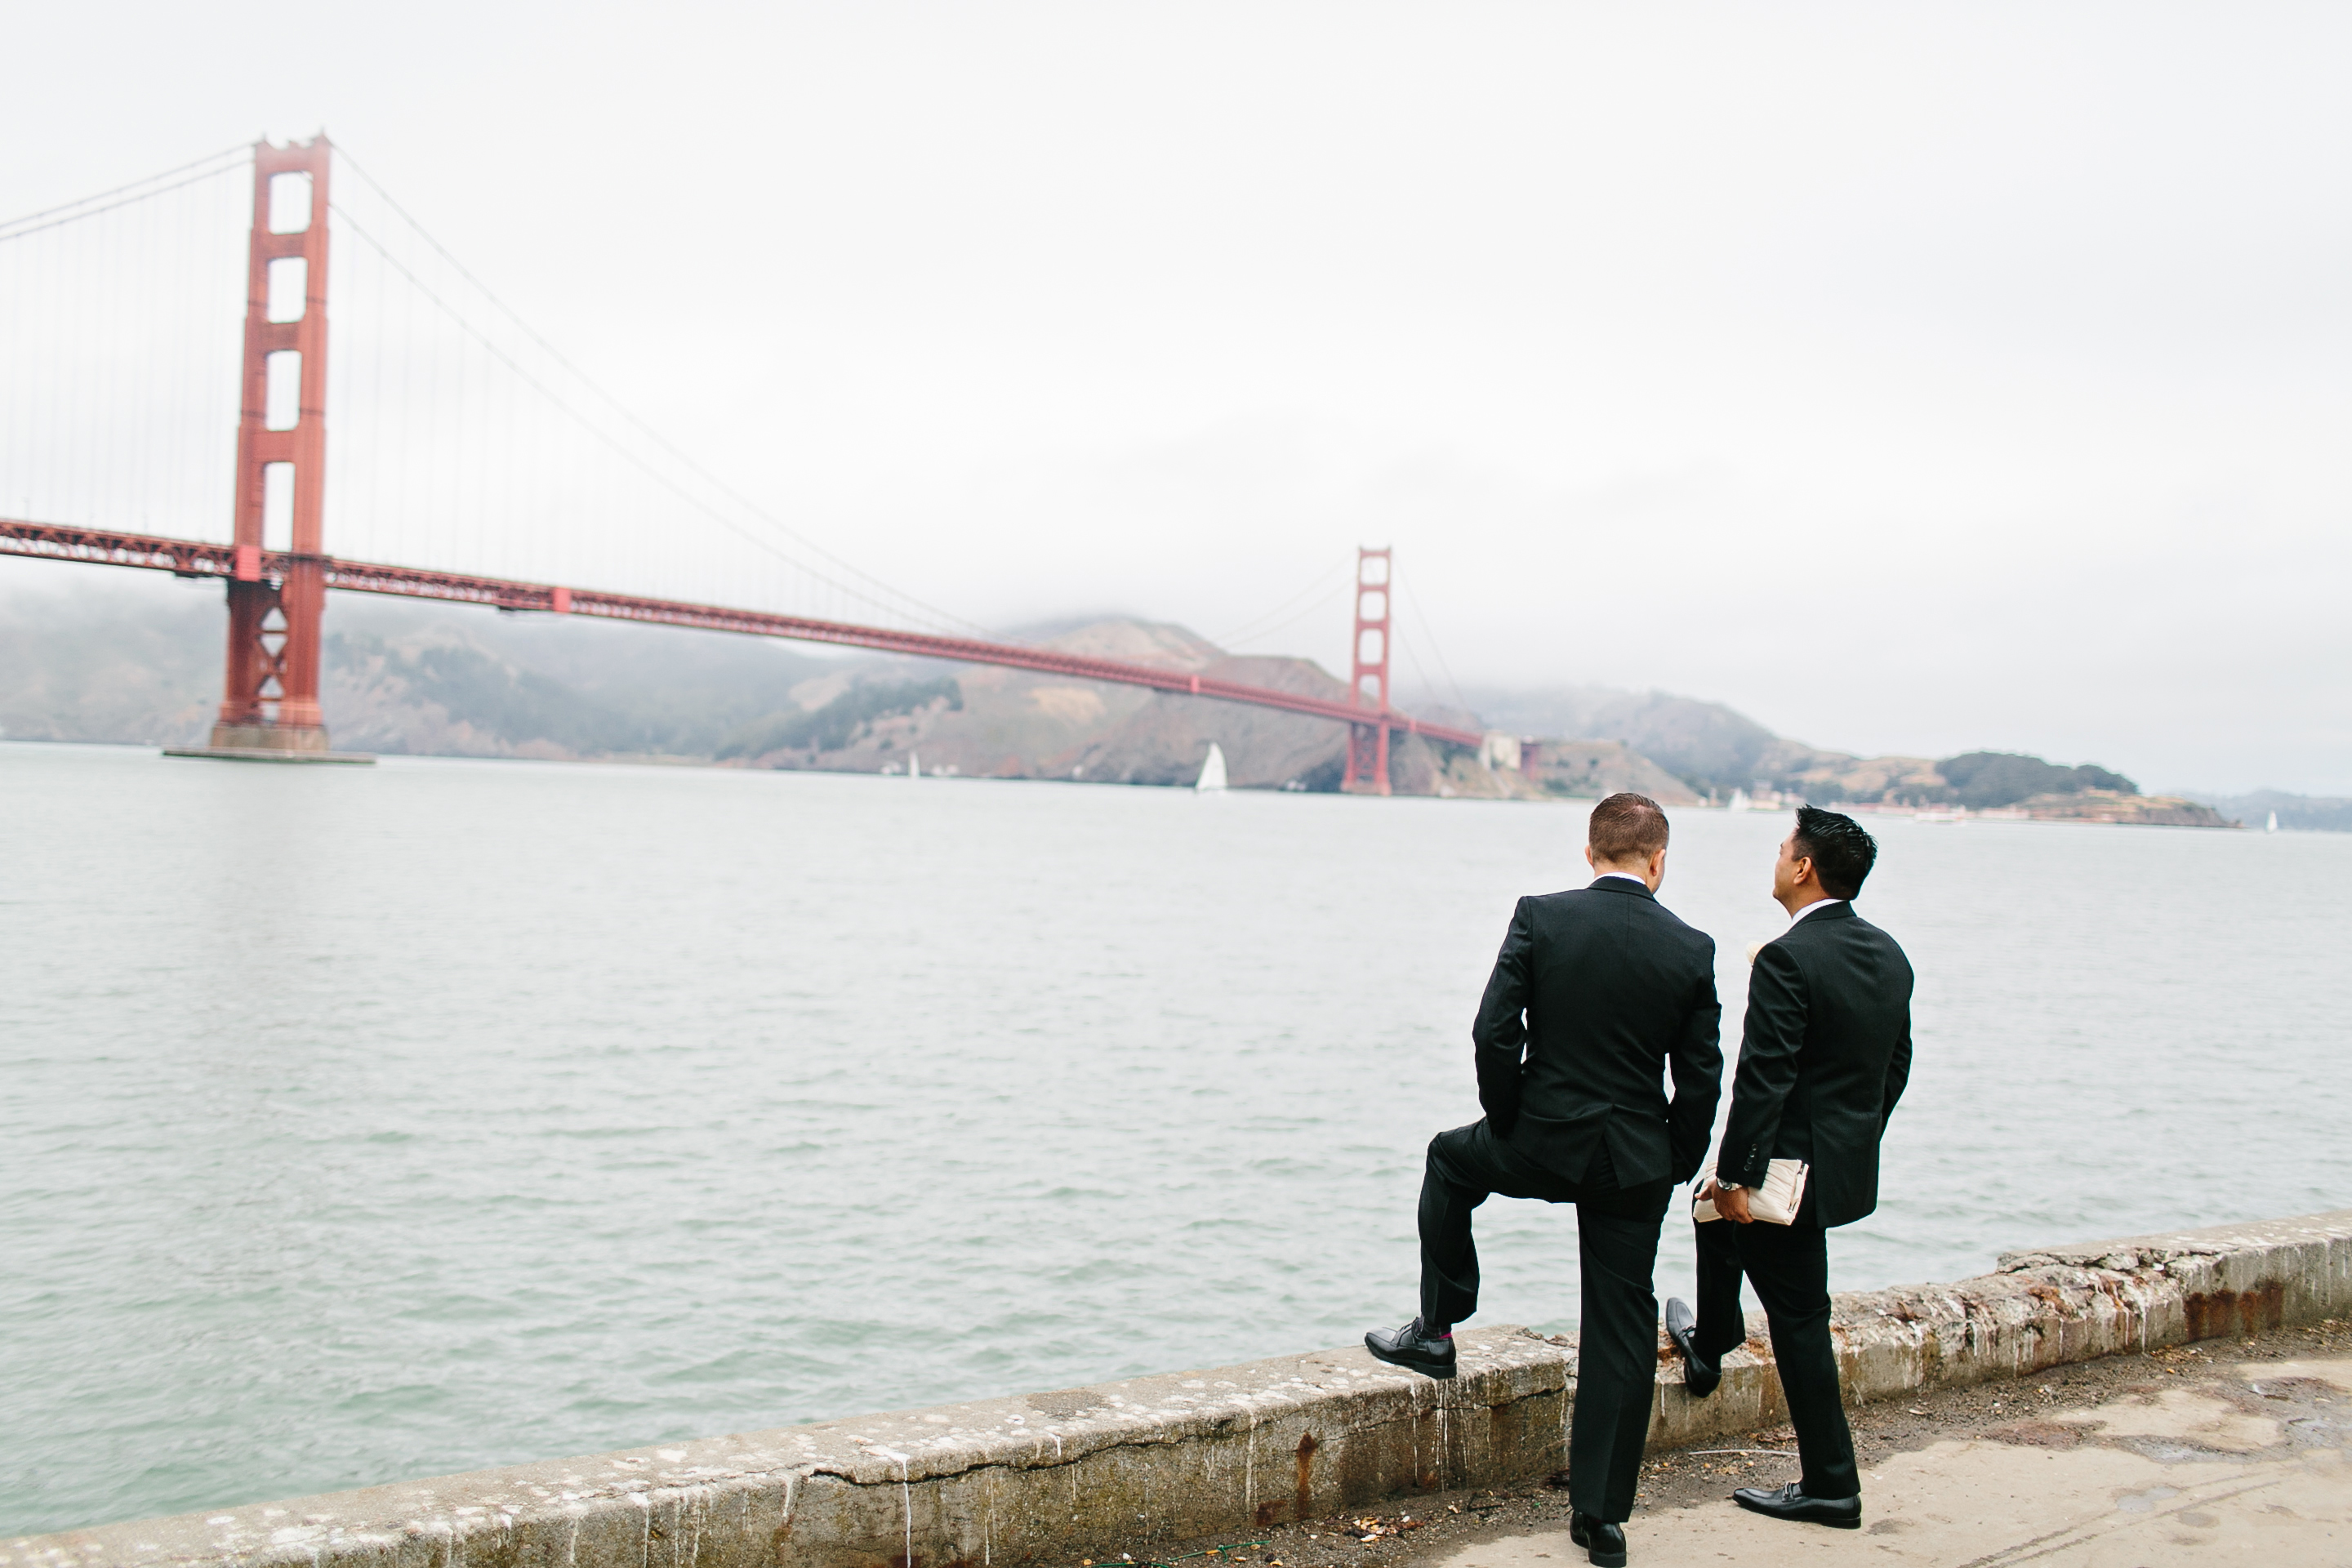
x=1805 y=899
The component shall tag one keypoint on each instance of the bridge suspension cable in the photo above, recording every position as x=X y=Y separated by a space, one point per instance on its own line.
x=118 y=339
x=459 y=406
x=1435 y=652
x=1326 y=586
x=472 y=443
x=136 y=191
x=120 y=334
x=890 y=595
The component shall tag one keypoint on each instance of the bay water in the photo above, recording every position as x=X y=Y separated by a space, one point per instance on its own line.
x=361 y=1124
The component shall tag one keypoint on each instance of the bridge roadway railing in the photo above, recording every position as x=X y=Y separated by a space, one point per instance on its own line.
x=200 y=558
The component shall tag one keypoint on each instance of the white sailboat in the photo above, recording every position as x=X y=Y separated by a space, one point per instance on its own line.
x=1212 y=772
x=914 y=766
x=2272 y=825
x=1738 y=801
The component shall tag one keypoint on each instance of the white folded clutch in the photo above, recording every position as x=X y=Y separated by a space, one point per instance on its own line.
x=1774 y=1203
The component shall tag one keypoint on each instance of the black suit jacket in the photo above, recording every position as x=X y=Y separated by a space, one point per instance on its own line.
x=1595 y=994
x=1823 y=1057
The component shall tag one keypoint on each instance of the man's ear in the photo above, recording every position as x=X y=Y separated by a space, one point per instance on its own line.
x=1589 y=860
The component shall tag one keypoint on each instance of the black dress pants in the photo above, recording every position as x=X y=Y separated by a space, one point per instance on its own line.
x=1617 y=1249
x=1789 y=1267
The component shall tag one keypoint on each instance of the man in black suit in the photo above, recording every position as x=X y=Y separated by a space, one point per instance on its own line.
x=1596 y=994
x=1823 y=1057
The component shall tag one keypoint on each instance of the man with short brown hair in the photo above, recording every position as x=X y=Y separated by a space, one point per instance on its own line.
x=1597 y=994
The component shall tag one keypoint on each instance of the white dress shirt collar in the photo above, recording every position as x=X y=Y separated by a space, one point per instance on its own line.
x=1815 y=908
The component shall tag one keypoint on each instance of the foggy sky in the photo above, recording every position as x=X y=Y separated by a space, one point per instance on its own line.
x=1914 y=379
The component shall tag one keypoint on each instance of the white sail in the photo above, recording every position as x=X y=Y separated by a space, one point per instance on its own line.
x=2273 y=827
x=1738 y=801
x=914 y=766
x=1212 y=772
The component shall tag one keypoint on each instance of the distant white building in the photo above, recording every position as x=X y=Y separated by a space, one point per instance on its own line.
x=1499 y=751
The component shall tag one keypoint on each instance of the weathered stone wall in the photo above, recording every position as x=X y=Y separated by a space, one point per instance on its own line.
x=2040 y=1308
x=1048 y=1476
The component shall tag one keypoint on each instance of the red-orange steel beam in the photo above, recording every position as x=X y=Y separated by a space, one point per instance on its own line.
x=196 y=558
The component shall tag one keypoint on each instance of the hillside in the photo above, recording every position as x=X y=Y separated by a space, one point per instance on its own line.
x=139 y=664
x=1707 y=746
x=984 y=722
x=143 y=667
x=1715 y=749
x=2296 y=813
x=87 y=665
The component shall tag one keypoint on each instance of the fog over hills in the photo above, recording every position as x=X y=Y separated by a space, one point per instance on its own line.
x=139 y=663
x=91 y=663
x=1707 y=745
x=2296 y=813
x=1715 y=749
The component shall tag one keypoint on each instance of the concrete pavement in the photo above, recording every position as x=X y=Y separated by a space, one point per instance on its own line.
x=2243 y=1462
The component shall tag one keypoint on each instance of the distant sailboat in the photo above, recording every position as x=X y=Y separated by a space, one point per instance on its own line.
x=1212 y=772
x=2272 y=825
x=1738 y=801
x=914 y=766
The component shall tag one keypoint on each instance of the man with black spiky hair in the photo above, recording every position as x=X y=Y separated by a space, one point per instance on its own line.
x=1823 y=1057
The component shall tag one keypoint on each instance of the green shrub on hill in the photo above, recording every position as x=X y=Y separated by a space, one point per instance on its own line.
x=839 y=722
x=1983 y=779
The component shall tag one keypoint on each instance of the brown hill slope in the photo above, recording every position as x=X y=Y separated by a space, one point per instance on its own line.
x=137 y=659
x=1005 y=724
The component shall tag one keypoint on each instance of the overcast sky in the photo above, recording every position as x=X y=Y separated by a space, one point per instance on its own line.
x=1912 y=378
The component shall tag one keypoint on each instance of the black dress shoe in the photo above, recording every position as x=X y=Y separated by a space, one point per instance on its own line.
x=1604 y=1543
x=1408 y=1347
x=1699 y=1374
x=1791 y=1502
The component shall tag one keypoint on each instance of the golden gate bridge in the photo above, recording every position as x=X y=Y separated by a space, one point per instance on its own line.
x=109 y=367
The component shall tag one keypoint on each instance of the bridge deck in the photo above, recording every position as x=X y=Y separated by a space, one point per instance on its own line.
x=201 y=558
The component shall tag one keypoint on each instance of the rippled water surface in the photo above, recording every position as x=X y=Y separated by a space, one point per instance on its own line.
x=369 y=1123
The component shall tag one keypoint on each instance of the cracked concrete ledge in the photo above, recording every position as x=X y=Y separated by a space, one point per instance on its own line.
x=2038 y=1310
x=1048 y=1476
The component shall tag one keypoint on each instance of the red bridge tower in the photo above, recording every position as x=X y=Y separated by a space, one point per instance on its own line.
x=1368 y=744
x=270 y=702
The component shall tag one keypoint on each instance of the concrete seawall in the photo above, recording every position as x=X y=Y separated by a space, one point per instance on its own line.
x=1047 y=1477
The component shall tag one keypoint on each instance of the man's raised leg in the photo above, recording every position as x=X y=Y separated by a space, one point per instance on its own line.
x=1454 y=1180
x=1457 y=1177
x=1466 y=1166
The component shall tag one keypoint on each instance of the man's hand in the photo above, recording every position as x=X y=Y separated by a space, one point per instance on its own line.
x=1731 y=1203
